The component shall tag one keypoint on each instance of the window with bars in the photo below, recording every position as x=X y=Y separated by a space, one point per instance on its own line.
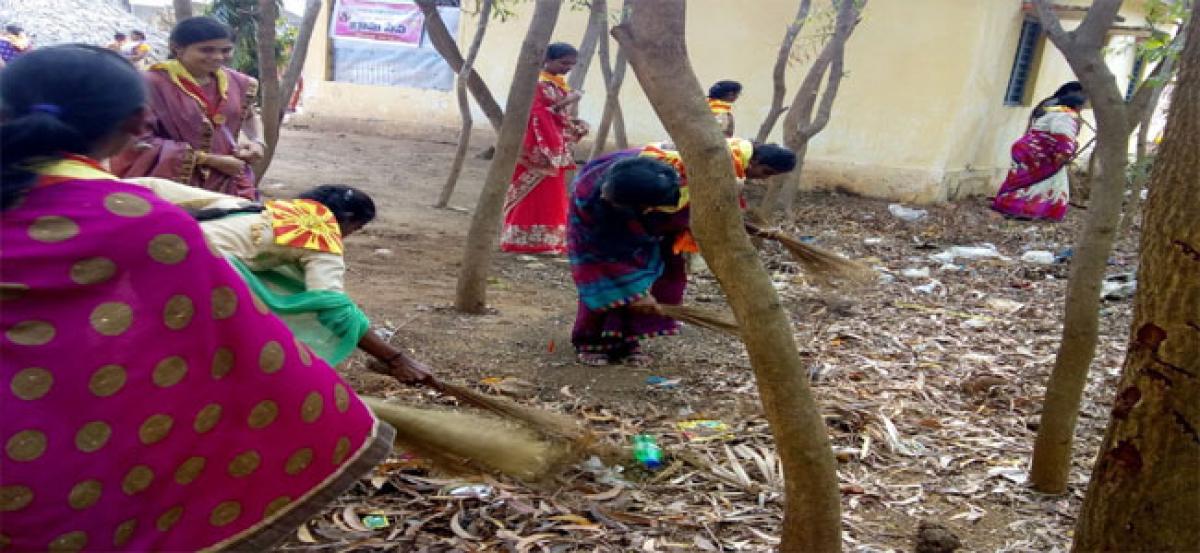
x=1020 y=80
x=1135 y=77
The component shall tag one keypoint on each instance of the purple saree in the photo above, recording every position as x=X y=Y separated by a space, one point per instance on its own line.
x=188 y=119
x=617 y=257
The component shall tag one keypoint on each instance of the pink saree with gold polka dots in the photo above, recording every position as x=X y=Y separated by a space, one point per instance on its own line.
x=147 y=400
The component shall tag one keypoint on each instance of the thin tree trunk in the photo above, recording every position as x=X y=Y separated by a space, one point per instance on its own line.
x=1144 y=492
x=620 y=139
x=280 y=93
x=268 y=82
x=1083 y=50
x=291 y=76
x=614 y=76
x=1138 y=183
x=801 y=124
x=183 y=9
x=464 y=105
x=654 y=38
x=444 y=43
x=779 y=73
x=471 y=295
x=596 y=31
x=611 y=107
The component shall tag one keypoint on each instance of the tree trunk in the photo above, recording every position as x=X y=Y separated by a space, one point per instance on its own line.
x=291 y=76
x=464 y=105
x=654 y=39
x=613 y=79
x=779 y=74
x=801 y=124
x=471 y=296
x=1083 y=50
x=444 y=43
x=620 y=139
x=280 y=93
x=614 y=76
x=1145 y=119
x=268 y=82
x=1145 y=488
x=596 y=31
x=183 y=9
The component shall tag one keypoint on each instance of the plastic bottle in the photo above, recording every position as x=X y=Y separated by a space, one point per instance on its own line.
x=647 y=452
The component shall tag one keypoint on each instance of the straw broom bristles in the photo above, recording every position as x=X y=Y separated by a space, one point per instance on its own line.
x=825 y=266
x=458 y=441
x=701 y=318
x=550 y=424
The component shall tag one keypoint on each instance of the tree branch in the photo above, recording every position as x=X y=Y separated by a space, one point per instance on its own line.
x=299 y=53
x=1093 y=31
x=595 y=32
x=1143 y=99
x=1051 y=25
x=445 y=45
x=779 y=73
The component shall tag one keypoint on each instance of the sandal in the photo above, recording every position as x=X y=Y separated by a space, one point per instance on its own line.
x=593 y=359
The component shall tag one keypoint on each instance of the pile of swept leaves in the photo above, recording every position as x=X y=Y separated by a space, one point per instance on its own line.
x=930 y=382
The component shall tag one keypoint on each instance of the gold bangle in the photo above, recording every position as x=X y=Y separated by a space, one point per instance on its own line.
x=200 y=157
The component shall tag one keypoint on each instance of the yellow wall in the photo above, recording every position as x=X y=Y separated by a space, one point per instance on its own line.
x=920 y=116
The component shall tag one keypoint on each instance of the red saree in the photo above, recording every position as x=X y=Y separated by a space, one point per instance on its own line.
x=535 y=209
x=188 y=119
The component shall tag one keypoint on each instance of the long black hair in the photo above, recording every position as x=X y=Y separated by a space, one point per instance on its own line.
x=781 y=159
x=560 y=50
x=1074 y=88
x=642 y=182
x=201 y=28
x=350 y=206
x=60 y=99
x=723 y=89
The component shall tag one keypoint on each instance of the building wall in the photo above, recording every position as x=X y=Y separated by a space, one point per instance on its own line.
x=919 y=118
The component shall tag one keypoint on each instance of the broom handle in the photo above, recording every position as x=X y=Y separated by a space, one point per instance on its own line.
x=760 y=232
x=445 y=388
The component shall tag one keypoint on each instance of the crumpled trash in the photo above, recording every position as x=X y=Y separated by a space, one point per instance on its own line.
x=984 y=251
x=872 y=241
x=480 y=491
x=929 y=288
x=705 y=430
x=1064 y=255
x=914 y=272
x=1119 y=287
x=663 y=382
x=1038 y=257
x=907 y=213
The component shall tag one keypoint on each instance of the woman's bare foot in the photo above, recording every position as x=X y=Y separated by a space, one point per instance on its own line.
x=593 y=359
x=639 y=359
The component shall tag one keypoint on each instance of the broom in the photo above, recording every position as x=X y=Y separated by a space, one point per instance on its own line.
x=701 y=318
x=459 y=442
x=553 y=425
x=820 y=263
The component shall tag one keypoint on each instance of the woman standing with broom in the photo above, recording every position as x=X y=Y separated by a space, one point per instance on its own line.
x=628 y=230
x=147 y=404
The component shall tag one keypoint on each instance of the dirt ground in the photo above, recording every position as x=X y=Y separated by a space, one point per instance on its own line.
x=931 y=397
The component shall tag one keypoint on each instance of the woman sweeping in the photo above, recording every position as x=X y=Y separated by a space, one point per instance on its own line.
x=628 y=230
x=535 y=209
x=199 y=108
x=290 y=253
x=1037 y=185
x=148 y=402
